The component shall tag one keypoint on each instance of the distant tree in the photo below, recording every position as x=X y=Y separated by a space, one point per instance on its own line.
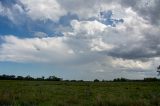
x=80 y=81
x=12 y=77
x=158 y=70
x=96 y=80
x=54 y=78
x=116 y=80
x=2 y=77
x=120 y=80
x=5 y=77
x=43 y=77
x=40 y=79
x=150 y=79
x=73 y=80
x=124 y=79
x=20 y=78
x=28 y=78
x=103 y=80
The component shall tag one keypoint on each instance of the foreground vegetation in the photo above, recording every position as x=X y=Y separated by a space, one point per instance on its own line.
x=62 y=93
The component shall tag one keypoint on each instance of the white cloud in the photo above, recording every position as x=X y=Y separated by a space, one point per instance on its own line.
x=130 y=64
x=86 y=30
x=44 y=10
x=82 y=8
x=99 y=45
x=34 y=49
x=40 y=34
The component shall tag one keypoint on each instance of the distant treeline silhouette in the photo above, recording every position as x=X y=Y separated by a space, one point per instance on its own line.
x=54 y=78
x=13 y=77
x=129 y=80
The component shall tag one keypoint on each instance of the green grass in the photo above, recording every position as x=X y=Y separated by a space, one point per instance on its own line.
x=48 y=93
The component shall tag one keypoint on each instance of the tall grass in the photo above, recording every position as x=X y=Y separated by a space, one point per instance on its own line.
x=47 y=93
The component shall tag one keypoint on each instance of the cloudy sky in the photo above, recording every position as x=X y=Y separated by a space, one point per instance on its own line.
x=80 y=39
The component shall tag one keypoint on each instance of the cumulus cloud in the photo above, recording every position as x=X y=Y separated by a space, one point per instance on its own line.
x=130 y=64
x=148 y=9
x=44 y=10
x=70 y=49
x=81 y=8
x=87 y=28
x=34 y=49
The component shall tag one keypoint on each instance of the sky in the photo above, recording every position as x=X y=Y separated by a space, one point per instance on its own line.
x=80 y=39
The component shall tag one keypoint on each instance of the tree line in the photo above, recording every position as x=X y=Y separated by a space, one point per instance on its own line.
x=13 y=77
x=54 y=78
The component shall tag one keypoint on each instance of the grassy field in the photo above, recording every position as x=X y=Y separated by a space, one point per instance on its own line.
x=48 y=93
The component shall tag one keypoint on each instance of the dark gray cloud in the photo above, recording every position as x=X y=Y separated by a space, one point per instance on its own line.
x=133 y=53
x=148 y=9
x=148 y=47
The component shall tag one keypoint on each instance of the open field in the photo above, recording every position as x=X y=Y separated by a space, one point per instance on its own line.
x=49 y=93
